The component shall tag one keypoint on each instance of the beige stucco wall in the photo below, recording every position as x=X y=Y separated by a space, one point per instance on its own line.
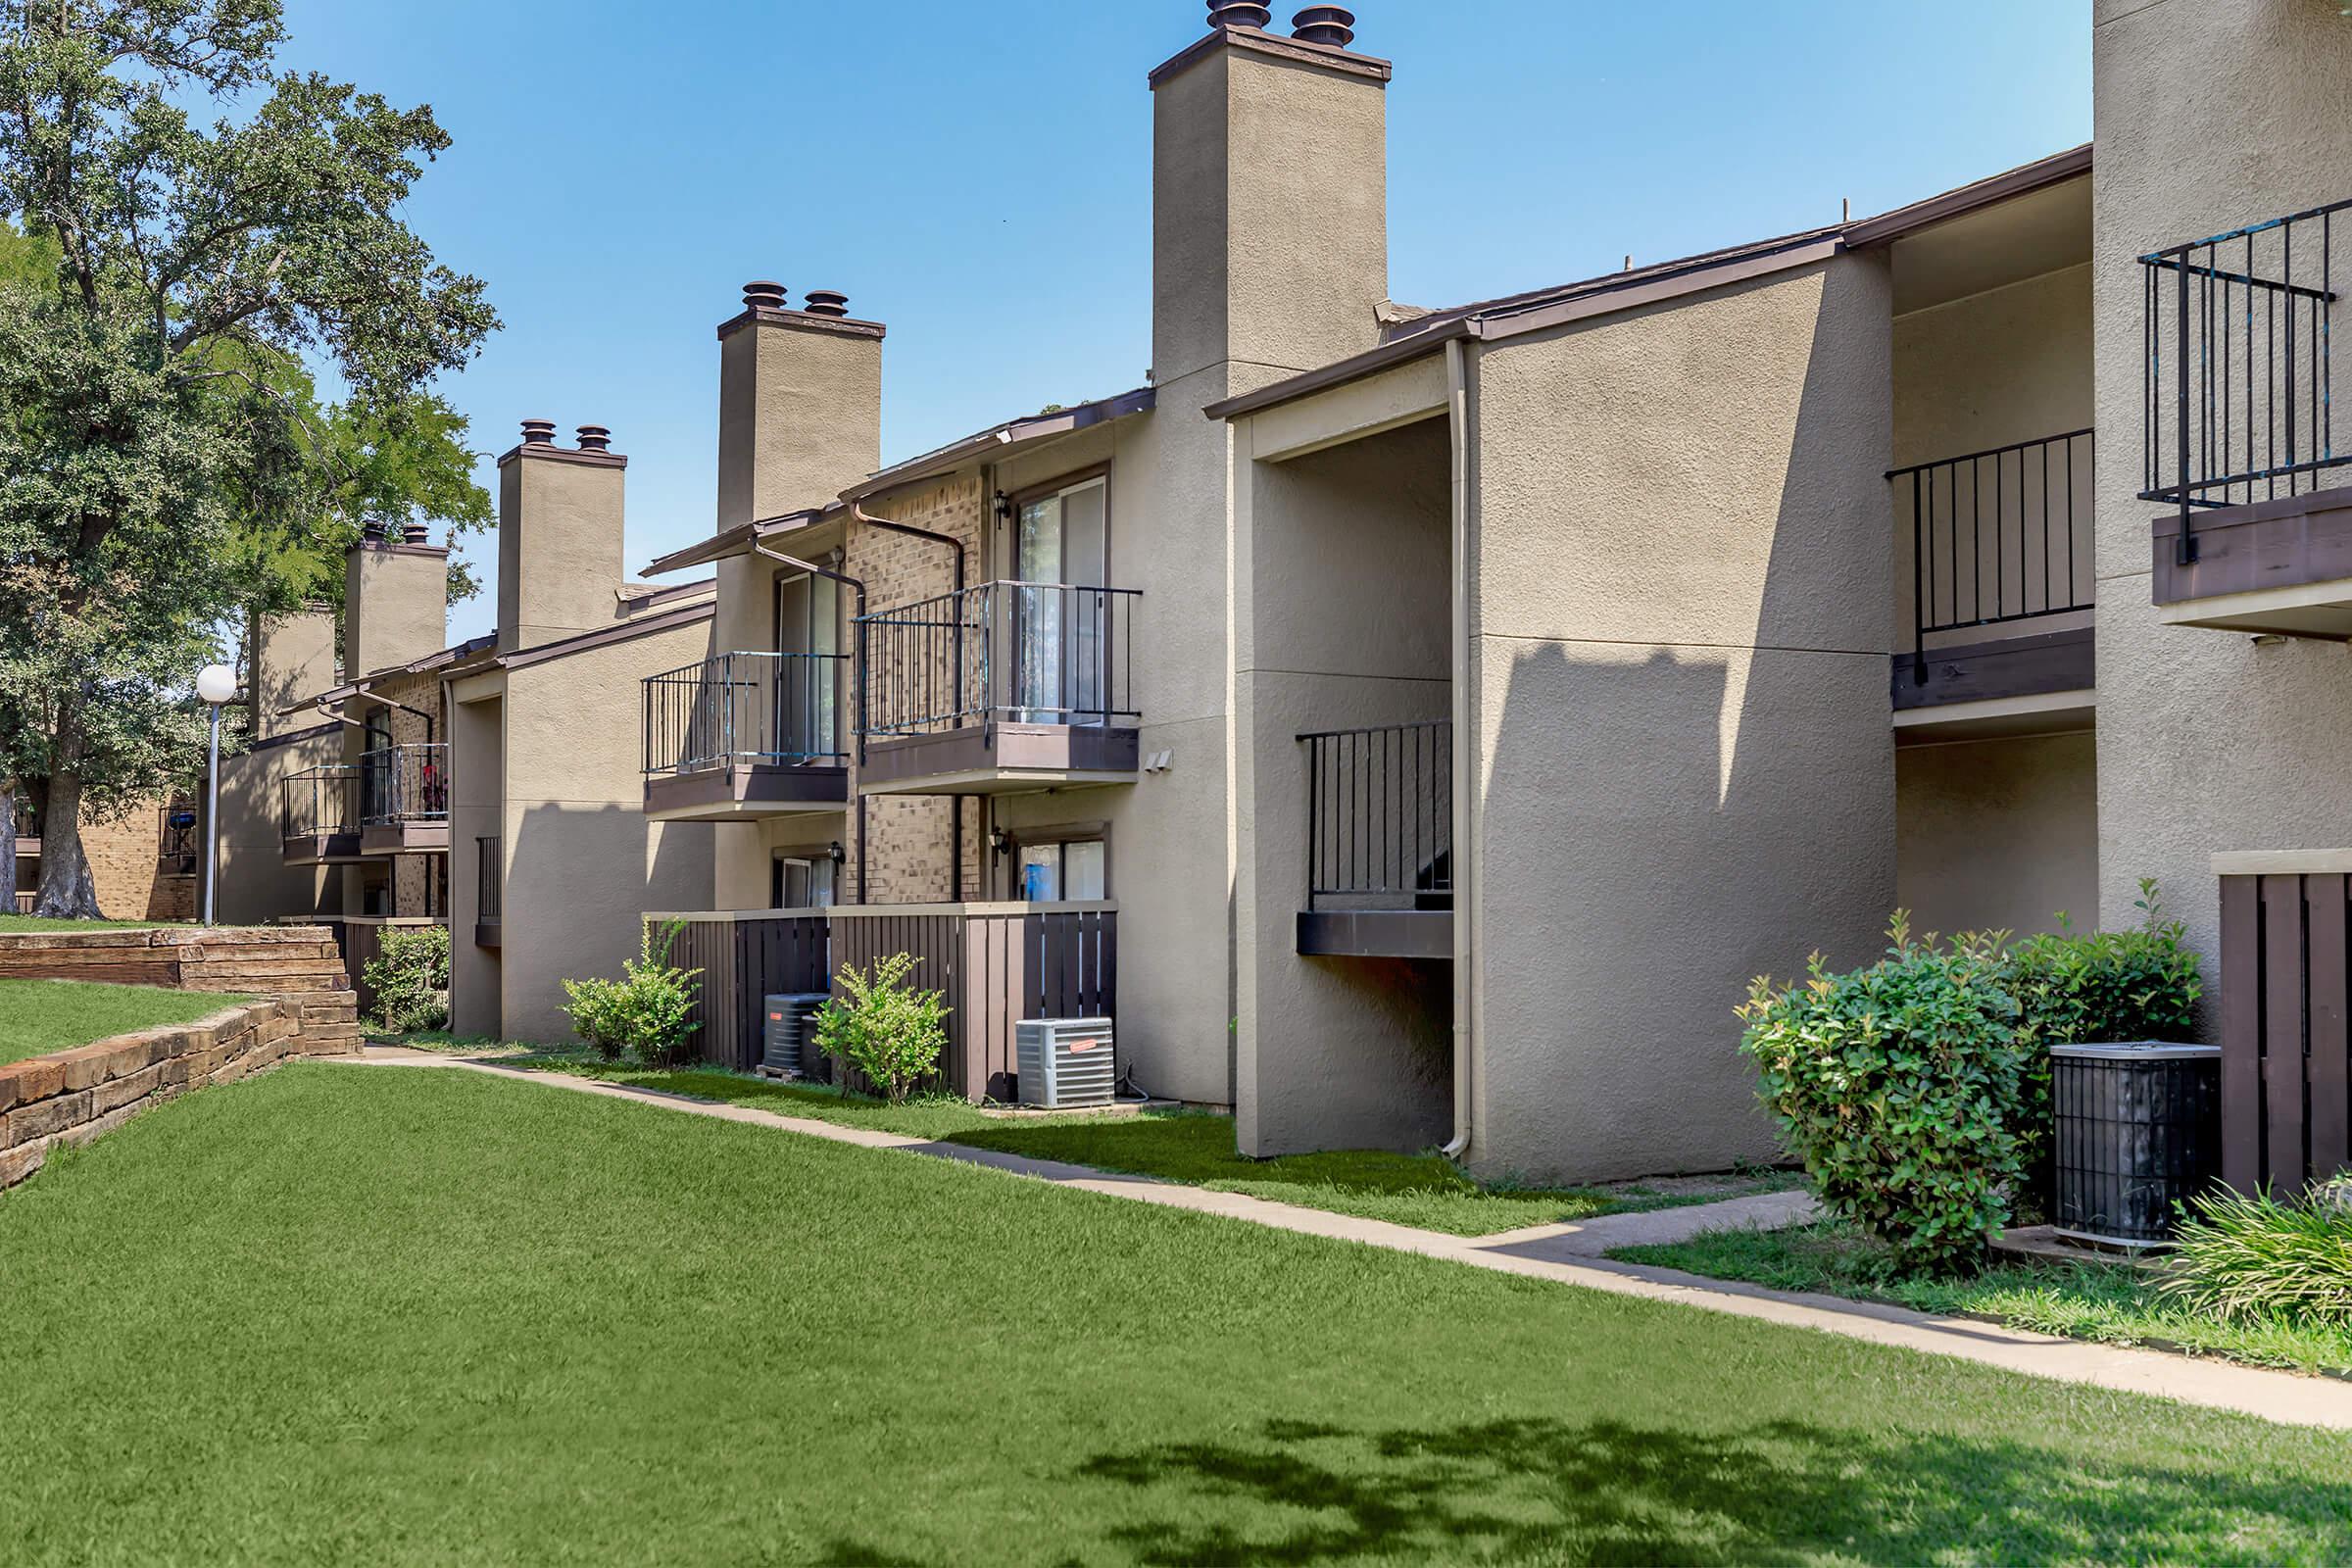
x=560 y=522
x=395 y=604
x=584 y=864
x=1342 y=618
x=799 y=414
x=257 y=886
x=1684 y=771
x=1998 y=835
x=2210 y=114
x=293 y=659
x=477 y=810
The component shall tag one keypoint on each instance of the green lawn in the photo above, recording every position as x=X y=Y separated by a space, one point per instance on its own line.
x=25 y=922
x=39 y=1016
x=1196 y=1149
x=2109 y=1303
x=343 y=1313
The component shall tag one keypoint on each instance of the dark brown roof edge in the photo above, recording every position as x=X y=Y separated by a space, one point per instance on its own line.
x=293 y=737
x=650 y=594
x=729 y=542
x=839 y=325
x=456 y=653
x=605 y=637
x=1013 y=432
x=1542 y=312
x=547 y=452
x=2055 y=169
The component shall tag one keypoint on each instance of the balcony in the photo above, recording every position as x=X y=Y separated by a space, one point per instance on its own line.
x=2238 y=406
x=319 y=817
x=743 y=736
x=178 y=852
x=1000 y=689
x=1999 y=546
x=1380 y=843
x=404 y=800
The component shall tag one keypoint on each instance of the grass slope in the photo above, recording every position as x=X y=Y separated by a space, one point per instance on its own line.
x=25 y=922
x=395 y=1316
x=2107 y=1303
x=1196 y=1149
x=39 y=1016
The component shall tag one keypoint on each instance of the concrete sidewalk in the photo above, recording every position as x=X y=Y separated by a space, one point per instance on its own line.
x=1568 y=1254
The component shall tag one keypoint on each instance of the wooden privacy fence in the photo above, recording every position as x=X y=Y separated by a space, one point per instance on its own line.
x=995 y=963
x=744 y=957
x=2286 y=994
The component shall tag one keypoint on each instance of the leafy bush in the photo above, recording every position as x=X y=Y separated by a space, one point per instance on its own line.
x=2096 y=986
x=410 y=977
x=648 y=1011
x=1900 y=1087
x=884 y=1027
x=2244 y=1258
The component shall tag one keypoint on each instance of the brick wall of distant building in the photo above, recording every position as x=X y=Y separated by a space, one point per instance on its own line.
x=908 y=838
x=128 y=869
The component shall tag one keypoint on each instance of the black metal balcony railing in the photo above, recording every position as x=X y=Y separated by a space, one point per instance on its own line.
x=490 y=878
x=744 y=709
x=1380 y=818
x=319 y=800
x=175 y=839
x=2239 y=379
x=405 y=784
x=1999 y=536
x=1002 y=653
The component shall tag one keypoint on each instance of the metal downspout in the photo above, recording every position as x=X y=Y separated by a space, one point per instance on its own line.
x=857 y=587
x=1465 y=788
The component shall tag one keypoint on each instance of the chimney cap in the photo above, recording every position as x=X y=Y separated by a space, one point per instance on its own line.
x=827 y=302
x=1239 y=13
x=538 y=432
x=595 y=438
x=761 y=295
x=1331 y=25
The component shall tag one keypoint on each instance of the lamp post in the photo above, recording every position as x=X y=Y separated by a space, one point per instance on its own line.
x=214 y=684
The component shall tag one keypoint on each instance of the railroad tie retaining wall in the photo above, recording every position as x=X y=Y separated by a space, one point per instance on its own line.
x=296 y=962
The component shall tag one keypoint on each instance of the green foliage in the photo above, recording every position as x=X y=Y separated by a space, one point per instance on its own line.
x=409 y=976
x=884 y=1027
x=2246 y=1258
x=649 y=1010
x=168 y=285
x=1901 y=1087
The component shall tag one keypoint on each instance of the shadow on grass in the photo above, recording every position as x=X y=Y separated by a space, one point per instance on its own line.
x=1612 y=1492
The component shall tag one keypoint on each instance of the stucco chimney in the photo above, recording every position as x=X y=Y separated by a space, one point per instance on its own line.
x=559 y=519
x=293 y=661
x=1269 y=196
x=395 y=602
x=799 y=404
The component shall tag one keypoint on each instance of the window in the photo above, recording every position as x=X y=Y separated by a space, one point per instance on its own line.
x=1072 y=871
x=802 y=882
x=1061 y=553
x=375 y=778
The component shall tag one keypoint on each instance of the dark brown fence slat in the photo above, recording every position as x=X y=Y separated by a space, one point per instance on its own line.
x=2283 y=1031
x=2241 y=1032
x=2330 y=1061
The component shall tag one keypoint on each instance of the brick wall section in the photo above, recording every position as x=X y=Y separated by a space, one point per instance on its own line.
x=407 y=875
x=907 y=838
x=296 y=963
x=127 y=870
x=72 y=1096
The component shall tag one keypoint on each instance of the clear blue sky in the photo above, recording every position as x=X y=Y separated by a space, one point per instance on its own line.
x=975 y=173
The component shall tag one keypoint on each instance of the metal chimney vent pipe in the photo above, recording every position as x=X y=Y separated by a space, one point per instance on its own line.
x=1233 y=14
x=827 y=302
x=595 y=438
x=1331 y=25
x=538 y=432
x=763 y=296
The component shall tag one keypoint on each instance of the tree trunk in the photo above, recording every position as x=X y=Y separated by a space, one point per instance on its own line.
x=66 y=893
x=8 y=846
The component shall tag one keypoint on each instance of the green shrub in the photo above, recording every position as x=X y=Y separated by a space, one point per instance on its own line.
x=1901 y=1087
x=648 y=1011
x=410 y=977
x=2245 y=1257
x=2085 y=988
x=884 y=1027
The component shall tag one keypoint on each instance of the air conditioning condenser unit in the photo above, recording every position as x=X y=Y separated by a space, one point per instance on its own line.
x=1065 y=1063
x=788 y=1035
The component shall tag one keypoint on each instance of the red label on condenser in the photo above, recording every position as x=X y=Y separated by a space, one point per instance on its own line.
x=775 y=1017
x=1084 y=1044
